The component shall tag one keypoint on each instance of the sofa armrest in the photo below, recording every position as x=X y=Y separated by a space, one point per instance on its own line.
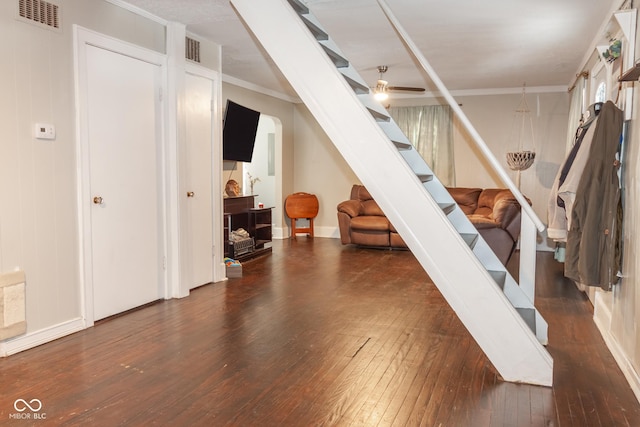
x=352 y=208
x=506 y=212
x=481 y=222
x=344 y=226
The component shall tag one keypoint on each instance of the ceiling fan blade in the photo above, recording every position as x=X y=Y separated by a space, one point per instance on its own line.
x=405 y=89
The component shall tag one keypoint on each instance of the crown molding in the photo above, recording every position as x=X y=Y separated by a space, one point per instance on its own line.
x=256 y=88
x=138 y=11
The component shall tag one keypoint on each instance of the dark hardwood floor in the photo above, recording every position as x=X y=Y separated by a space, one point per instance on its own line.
x=316 y=334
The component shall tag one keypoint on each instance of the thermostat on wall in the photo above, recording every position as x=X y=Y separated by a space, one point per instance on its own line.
x=45 y=131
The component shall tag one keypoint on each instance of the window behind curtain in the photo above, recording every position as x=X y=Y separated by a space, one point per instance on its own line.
x=430 y=130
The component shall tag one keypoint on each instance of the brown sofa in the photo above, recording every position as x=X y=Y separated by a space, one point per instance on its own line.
x=494 y=212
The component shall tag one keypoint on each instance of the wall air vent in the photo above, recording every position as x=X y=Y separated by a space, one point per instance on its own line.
x=192 y=49
x=39 y=12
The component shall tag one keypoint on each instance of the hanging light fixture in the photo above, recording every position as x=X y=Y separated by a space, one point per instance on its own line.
x=380 y=92
x=522 y=159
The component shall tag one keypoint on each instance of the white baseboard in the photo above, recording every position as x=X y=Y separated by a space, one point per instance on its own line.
x=280 y=233
x=34 y=339
x=623 y=362
x=602 y=319
x=334 y=233
x=331 y=232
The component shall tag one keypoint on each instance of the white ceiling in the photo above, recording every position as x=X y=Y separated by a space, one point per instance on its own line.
x=488 y=46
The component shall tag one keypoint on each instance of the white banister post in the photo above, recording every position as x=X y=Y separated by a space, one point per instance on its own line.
x=528 y=244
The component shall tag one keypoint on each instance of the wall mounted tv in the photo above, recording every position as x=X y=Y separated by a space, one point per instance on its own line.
x=239 y=132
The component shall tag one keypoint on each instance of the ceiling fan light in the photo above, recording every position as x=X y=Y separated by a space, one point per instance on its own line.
x=381 y=96
x=380 y=92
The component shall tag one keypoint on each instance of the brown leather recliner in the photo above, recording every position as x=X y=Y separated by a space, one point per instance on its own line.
x=494 y=212
x=362 y=222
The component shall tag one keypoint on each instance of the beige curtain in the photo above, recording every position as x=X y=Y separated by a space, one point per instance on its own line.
x=430 y=130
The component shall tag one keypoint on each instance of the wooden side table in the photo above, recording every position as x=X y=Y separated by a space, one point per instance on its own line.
x=301 y=206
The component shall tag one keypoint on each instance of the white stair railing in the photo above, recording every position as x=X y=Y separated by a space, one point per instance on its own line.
x=530 y=221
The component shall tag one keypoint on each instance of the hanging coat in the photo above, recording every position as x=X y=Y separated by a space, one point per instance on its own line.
x=563 y=192
x=593 y=241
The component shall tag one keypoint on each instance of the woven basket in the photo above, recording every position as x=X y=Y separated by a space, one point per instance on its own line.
x=520 y=160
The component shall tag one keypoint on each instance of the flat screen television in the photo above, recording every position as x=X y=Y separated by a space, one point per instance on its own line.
x=239 y=132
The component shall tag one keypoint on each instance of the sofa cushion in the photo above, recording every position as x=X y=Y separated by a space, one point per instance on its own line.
x=505 y=210
x=352 y=208
x=370 y=207
x=373 y=223
x=482 y=221
x=370 y=238
x=487 y=197
x=466 y=198
x=507 y=214
x=396 y=241
x=359 y=192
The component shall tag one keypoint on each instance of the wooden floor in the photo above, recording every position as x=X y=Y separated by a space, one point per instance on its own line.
x=316 y=334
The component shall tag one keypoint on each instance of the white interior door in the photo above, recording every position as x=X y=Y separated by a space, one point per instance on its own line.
x=123 y=139
x=198 y=248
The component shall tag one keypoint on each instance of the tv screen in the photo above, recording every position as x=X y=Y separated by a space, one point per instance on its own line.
x=239 y=132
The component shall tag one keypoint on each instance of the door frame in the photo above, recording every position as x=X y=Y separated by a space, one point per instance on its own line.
x=219 y=272
x=82 y=38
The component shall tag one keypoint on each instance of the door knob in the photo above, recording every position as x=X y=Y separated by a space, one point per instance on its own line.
x=190 y=194
x=97 y=200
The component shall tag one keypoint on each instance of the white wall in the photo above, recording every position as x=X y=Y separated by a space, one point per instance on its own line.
x=282 y=112
x=493 y=116
x=38 y=183
x=320 y=169
x=265 y=188
x=617 y=313
x=39 y=230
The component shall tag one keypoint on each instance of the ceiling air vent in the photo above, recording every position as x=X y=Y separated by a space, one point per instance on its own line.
x=192 y=49
x=40 y=12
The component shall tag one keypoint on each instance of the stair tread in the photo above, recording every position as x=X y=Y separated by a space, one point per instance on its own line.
x=394 y=133
x=299 y=7
x=529 y=317
x=416 y=162
x=447 y=207
x=402 y=145
x=499 y=277
x=470 y=238
x=315 y=27
x=334 y=53
x=377 y=111
x=355 y=81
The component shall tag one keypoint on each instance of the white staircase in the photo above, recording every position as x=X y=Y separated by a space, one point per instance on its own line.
x=497 y=312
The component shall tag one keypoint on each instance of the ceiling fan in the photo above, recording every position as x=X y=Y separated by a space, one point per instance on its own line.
x=382 y=89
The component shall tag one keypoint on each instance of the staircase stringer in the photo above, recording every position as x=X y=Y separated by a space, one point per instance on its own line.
x=470 y=291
